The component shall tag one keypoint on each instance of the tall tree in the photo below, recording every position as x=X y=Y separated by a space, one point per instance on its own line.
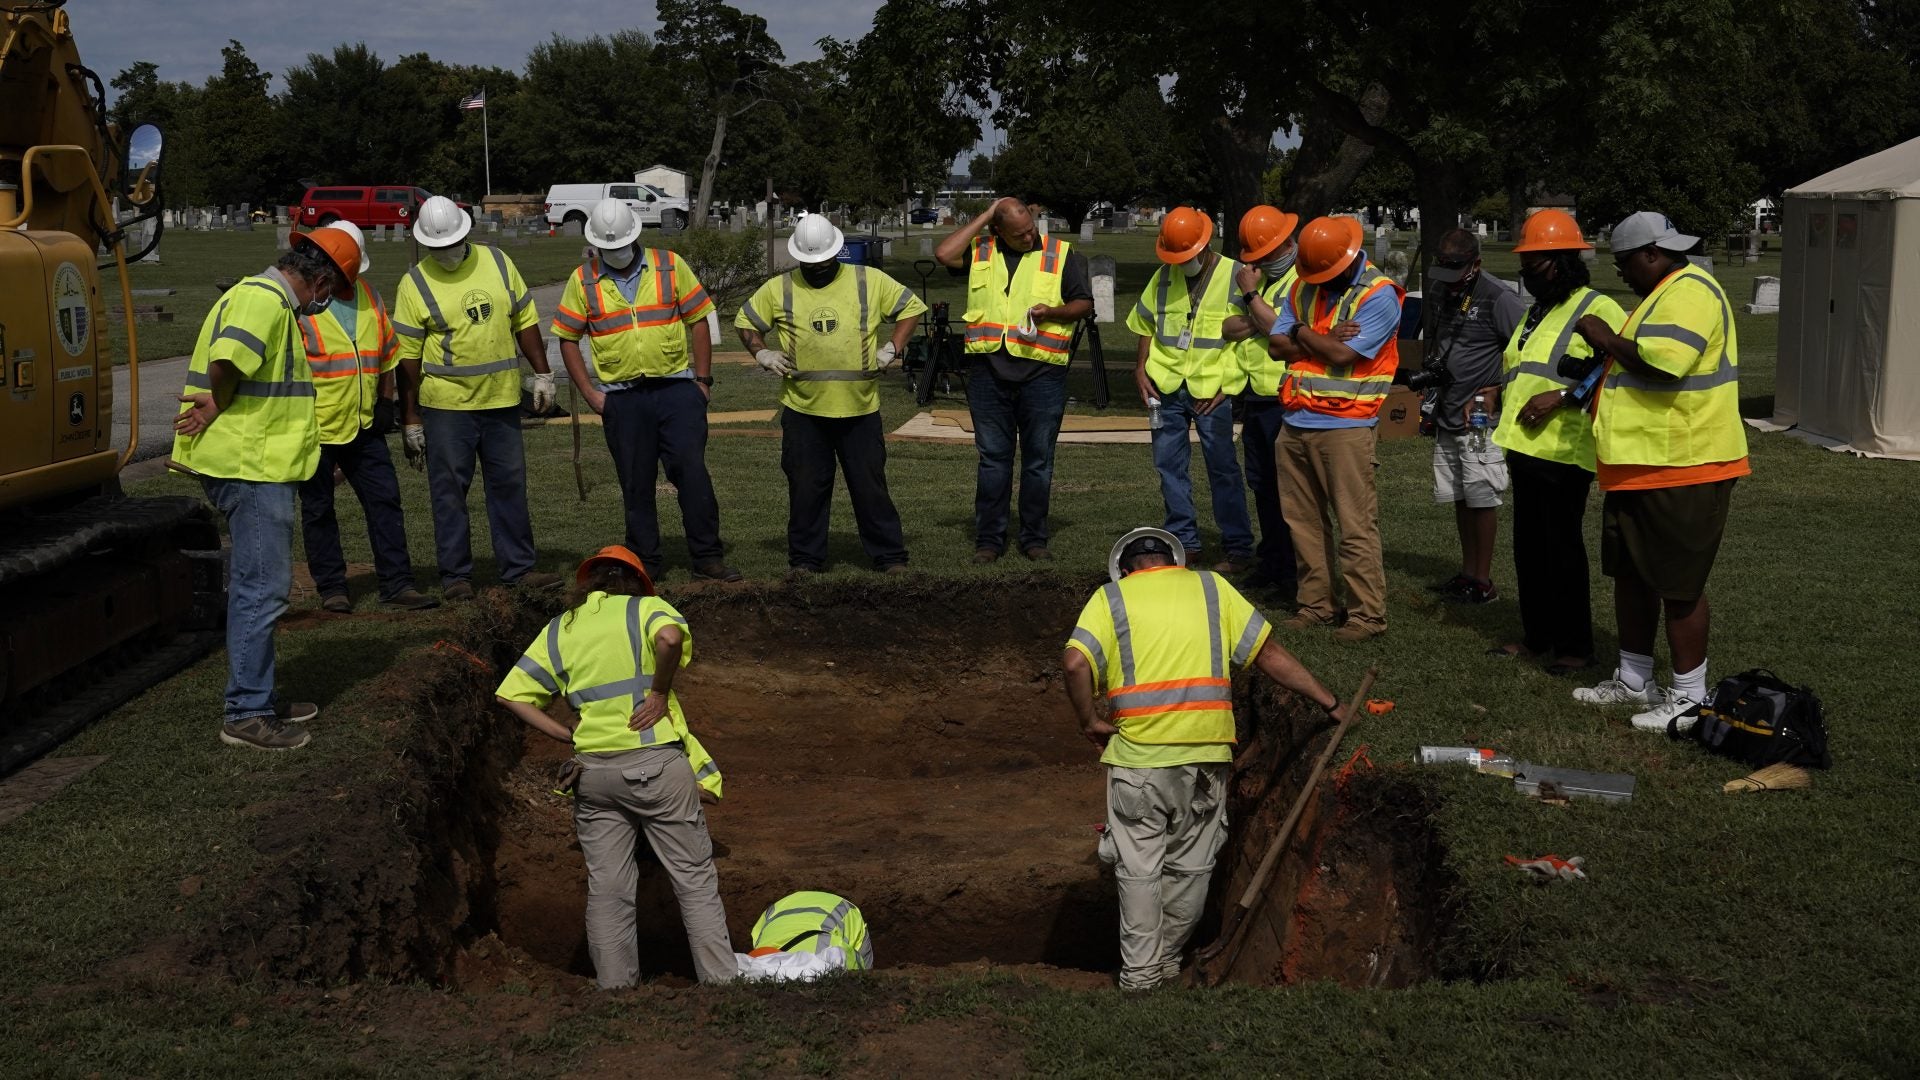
x=730 y=63
x=239 y=132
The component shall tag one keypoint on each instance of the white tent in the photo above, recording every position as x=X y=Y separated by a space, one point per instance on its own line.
x=1849 y=374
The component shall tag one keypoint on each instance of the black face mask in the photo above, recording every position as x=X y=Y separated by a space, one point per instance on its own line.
x=820 y=275
x=1536 y=283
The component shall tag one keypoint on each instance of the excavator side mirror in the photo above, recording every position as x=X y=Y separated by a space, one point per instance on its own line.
x=143 y=149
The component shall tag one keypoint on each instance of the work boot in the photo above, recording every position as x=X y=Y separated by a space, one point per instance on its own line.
x=1355 y=631
x=1233 y=564
x=338 y=603
x=984 y=555
x=295 y=712
x=1305 y=620
x=410 y=599
x=894 y=568
x=537 y=579
x=264 y=733
x=798 y=574
x=1038 y=553
x=716 y=570
x=458 y=591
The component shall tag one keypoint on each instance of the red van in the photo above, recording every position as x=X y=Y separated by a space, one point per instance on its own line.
x=364 y=205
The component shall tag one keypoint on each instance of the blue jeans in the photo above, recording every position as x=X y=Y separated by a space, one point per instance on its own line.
x=1004 y=412
x=369 y=469
x=1171 y=455
x=260 y=518
x=454 y=439
x=1260 y=423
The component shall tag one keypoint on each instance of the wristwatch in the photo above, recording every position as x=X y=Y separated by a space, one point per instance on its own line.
x=704 y=380
x=1293 y=334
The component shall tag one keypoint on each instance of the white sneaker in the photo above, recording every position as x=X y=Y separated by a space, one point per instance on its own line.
x=1684 y=712
x=1615 y=692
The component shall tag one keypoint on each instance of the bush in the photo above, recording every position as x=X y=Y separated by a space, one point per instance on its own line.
x=731 y=265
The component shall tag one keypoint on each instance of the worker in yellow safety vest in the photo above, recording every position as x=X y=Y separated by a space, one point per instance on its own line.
x=613 y=655
x=1548 y=437
x=1336 y=331
x=461 y=315
x=823 y=320
x=1164 y=642
x=643 y=313
x=351 y=353
x=1025 y=292
x=1668 y=447
x=813 y=922
x=249 y=432
x=1187 y=372
x=1265 y=274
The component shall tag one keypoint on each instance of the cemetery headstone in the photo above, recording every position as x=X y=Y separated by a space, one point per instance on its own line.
x=1102 y=269
x=1766 y=296
x=926 y=245
x=1086 y=232
x=282 y=237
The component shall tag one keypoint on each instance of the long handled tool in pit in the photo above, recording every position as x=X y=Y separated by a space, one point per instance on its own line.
x=1214 y=963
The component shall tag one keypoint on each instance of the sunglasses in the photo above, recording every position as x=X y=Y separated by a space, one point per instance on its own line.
x=1622 y=259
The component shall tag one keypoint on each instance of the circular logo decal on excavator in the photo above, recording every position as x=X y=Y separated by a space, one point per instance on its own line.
x=824 y=321
x=72 y=319
x=478 y=306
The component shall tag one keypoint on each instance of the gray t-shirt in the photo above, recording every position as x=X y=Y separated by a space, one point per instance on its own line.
x=1076 y=283
x=1471 y=332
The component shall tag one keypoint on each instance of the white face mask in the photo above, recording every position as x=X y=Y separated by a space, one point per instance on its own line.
x=315 y=306
x=618 y=258
x=1277 y=266
x=450 y=258
x=1191 y=267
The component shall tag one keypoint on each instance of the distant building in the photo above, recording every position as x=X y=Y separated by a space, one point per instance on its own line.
x=665 y=177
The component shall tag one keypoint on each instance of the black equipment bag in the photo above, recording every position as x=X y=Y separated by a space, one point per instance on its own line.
x=1755 y=718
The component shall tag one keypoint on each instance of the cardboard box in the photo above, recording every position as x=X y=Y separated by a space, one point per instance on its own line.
x=1400 y=414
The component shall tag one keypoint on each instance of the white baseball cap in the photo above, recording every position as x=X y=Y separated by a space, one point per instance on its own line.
x=1651 y=227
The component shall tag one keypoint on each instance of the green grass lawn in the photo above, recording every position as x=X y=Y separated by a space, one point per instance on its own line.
x=1770 y=935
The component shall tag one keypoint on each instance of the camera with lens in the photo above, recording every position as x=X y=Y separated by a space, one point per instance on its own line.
x=1428 y=379
x=1431 y=383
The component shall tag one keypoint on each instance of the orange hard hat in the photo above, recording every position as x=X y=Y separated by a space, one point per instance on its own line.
x=1551 y=230
x=1327 y=246
x=1184 y=233
x=618 y=553
x=1262 y=230
x=339 y=249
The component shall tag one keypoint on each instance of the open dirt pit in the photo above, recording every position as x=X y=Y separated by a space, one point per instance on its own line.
x=908 y=746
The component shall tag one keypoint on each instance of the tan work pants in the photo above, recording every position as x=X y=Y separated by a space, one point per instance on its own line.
x=1168 y=826
x=620 y=796
x=1327 y=475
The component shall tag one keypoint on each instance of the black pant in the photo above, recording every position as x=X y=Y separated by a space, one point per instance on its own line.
x=809 y=446
x=369 y=469
x=1550 y=554
x=663 y=422
x=1260 y=422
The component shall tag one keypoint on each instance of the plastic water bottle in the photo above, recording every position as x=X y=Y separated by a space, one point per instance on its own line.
x=1153 y=414
x=1479 y=420
x=1491 y=762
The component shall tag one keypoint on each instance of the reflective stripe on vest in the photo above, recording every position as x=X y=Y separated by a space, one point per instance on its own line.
x=447 y=366
x=345 y=409
x=1310 y=382
x=1193 y=709
x=1567 y=435
x=812 y=921
x=997 y=307
x=866 y=369
x=1263 y=372
x=1690 y=420
x=646 y=338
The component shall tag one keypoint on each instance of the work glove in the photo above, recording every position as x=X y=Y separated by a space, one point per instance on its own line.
x=386 y=417
x=1549 y=868
x=886 y=356
x=775 y=361
x=413 y=439
x=540 y=385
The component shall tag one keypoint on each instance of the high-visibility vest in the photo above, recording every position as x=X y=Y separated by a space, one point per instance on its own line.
x=829 y=334
x=810 y=922
x=1169 y=677
x=1531 y=364
x=645 y=338
x=470 y=357
x=1352 y=391
x=1165 y=314
x=996 y=312
x=1260 y=370
x=1692 y=420
x=599 y=656
x=347 y=368
x=267 y=431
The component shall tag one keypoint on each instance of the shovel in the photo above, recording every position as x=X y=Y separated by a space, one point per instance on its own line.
x=1212 y=964
x=573 y=410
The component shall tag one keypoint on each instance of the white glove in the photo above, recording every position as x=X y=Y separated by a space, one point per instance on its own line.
x=540 y=384
x=775 y=361
x=413 y=439
x=886 y=356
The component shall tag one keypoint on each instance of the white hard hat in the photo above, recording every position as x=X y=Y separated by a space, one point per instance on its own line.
x=1159 y=541
x=440 y=223
x=815 y=240
x=613 y=224
x=359 y=239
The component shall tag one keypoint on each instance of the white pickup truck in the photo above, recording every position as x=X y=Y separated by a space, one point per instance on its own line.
x=657 y=209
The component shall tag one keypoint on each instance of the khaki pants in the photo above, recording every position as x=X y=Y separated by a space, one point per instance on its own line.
x=1327 y=475
x=620 y=796
x=1168 y=826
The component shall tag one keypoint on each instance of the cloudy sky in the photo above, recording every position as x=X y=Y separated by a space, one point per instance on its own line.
x=184 y=37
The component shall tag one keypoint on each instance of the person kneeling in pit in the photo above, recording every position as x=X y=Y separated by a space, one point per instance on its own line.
x=613 y=655
x=1164 y=640
x=805 y=935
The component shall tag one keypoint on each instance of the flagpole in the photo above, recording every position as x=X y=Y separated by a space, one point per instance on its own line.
x=486 y=146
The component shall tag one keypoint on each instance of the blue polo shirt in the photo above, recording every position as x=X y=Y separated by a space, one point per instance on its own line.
x=1379 y=319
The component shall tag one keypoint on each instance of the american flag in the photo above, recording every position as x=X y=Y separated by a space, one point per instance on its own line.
x=475 y=100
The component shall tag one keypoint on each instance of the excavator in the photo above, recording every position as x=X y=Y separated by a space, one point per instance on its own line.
x=101 y=595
